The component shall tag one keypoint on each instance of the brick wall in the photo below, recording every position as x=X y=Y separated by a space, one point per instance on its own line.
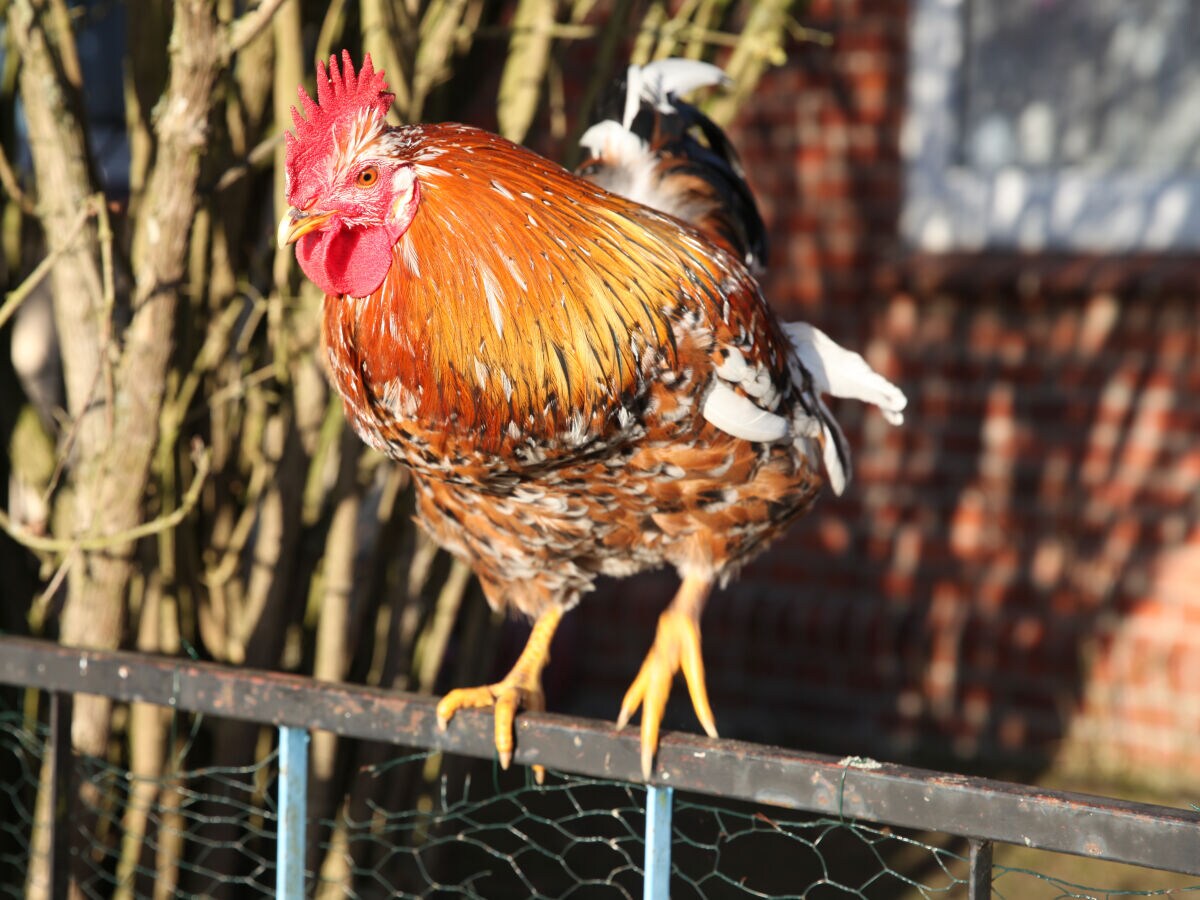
x=1014 y=575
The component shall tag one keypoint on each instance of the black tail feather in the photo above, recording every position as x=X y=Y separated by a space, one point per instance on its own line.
x=690 y=169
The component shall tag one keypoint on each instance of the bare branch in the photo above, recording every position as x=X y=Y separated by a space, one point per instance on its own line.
x=108 y=541
x=64 y=39
x=41 y=608
x=248 y=26
x=8 y=180
x=21 y=292
x=261 y=154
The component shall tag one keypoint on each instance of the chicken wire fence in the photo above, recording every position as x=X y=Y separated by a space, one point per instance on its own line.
x=429 y=824
x=470 y=836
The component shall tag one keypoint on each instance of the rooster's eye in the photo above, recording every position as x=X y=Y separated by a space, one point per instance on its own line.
x=368 y=176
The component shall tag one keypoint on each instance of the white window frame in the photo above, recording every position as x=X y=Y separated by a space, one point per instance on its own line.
x=949 y=206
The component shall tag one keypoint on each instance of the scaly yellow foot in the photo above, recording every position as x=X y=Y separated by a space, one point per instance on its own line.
x=521 y=688
x=676 y=647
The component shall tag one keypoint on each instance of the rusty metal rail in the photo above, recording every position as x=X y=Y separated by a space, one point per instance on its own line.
x=981 y=809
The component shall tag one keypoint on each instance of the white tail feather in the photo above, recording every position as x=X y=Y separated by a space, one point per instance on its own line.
x=739 y=416
x=659 y=81
x=844 y=373
x=836 y=453
x=610 y=140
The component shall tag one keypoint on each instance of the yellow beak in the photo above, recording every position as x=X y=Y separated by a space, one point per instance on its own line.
x=295 y=224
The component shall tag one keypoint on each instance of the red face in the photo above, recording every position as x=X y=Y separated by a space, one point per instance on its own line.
x=352 y=197
x=348 y=223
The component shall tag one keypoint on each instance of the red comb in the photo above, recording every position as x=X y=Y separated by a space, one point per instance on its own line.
x=341 y=95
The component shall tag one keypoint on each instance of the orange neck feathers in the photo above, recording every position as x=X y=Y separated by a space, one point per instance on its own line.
x=521 y=293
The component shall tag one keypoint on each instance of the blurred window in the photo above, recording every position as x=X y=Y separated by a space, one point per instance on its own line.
x=1053 y=125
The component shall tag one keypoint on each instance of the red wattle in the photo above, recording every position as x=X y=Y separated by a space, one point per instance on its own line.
x=350 y=261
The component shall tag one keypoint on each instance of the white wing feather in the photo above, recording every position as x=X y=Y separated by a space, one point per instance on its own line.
x=739 y=416
x=844 y=373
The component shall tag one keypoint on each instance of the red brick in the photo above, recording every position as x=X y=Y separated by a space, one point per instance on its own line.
x=1025 y=548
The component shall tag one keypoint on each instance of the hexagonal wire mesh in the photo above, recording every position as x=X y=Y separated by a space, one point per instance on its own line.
x=422 y=824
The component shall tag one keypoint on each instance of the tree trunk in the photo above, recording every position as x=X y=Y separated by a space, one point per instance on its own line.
x=114 y=397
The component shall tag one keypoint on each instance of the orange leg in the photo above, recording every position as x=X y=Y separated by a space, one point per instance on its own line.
x=676 y=647
x=520 y=688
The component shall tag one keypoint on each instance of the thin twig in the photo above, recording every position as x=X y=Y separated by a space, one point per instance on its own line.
x=573 y=32
x=237 y=390
x=39 y=610
x=21 y=292
x=109 y=356
x=212 y=351
x=217 y=575
x=104 y=364
x=105 y=542
x=72 y=433
x=64 y=39
x=260 y=154
x=247 y=26
x=805 y=33
x=8 y=179
x=331 y=27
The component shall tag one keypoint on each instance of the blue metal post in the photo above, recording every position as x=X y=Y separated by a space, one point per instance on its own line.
x=658 y=843
x=293 y=806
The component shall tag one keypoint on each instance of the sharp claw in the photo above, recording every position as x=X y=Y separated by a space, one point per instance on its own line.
x=654 y=704
x=634 y=696
x=503 y=713
x=676 y=648
x=522 y=686
x=630 y=704
x=693 y=674
x=445 y=712
x=539 y=774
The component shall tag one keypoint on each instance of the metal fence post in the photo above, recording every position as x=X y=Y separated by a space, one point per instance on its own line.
x=293 y=808
x=658 y=843
x=980 y=885
x=61 y=804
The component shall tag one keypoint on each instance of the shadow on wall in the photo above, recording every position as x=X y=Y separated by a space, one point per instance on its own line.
x=1012 y=575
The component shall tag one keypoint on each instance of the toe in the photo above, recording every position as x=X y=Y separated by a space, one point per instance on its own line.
x=633 y=696
x=692 y=665
x=462 y=698
x=507 y=701
x=653 y=706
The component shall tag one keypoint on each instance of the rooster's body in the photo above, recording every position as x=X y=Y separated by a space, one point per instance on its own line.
x=581 y=385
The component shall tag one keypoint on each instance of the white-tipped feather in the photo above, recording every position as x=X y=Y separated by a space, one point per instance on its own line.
x=659 y=81
x=630 y=168
x=739 y=416
x=754 y=380
x=612 y=141
x=835 y=450
x=834 y=369
x=633 y=95
x=844 y=373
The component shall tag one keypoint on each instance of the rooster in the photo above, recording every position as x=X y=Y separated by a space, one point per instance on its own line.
x=581 y=383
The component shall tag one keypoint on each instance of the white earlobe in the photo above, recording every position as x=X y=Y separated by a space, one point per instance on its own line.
x=404 y=182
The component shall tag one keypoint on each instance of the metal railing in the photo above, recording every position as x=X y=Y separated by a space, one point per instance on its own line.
x=981 y=810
